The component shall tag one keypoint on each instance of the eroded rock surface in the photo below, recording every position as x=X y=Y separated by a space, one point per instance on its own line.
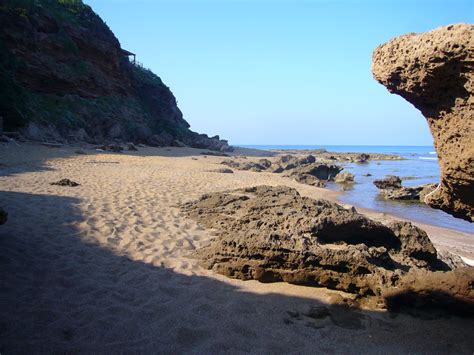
x=275 y=234
x=435 y=72
x=391 y=189
x=305 y=170
x=344 y=178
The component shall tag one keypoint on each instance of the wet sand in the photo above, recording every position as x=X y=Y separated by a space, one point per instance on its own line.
x=106 y=267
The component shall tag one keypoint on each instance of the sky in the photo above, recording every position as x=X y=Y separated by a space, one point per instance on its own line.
x=281 y=72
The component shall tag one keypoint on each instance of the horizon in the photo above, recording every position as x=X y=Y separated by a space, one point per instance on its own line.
x=279 y=72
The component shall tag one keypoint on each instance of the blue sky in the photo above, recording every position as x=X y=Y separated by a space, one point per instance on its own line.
x=281 y=72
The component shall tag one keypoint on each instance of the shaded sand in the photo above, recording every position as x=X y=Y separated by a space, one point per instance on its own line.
x=104 y=266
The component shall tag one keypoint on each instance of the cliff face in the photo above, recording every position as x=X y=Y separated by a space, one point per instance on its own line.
x=435 y=72
x=64 y=75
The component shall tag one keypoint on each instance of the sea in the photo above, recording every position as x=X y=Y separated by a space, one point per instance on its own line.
x=420 y=166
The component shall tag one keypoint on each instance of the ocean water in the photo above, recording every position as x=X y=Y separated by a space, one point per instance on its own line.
x=419 y=167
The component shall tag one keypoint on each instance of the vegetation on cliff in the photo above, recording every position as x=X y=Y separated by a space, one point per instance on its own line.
x=65 y=75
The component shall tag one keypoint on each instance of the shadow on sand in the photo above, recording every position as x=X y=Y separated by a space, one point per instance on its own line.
x=61 y=293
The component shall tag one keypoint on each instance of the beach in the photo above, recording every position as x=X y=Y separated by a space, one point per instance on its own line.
x=106 y=266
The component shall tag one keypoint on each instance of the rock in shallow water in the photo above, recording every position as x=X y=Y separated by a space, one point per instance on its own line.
x=344 y=178
x=434 y=72
x=274 y=234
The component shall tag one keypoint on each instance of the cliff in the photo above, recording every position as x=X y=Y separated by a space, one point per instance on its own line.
x=435 y=72
x=65 y=76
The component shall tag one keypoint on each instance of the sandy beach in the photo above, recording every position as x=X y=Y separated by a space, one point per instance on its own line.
x=106 y=267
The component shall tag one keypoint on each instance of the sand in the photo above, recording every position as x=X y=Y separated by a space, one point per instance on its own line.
x=106 y=267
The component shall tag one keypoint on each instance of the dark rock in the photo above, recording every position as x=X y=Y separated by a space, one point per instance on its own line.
x=415 y=193
x=65 y=182
x=115 y=148
x=80 y=152
x=389 y=182
x=252 y=167
x=274 y=234
x=288 y=162
x=321 y=171
x=3 y=216
x=163 y=139
x=367 y=174
x=402 y=193
x=265 y=163
x=231 y=163
x=362 y=158
x=132 y=147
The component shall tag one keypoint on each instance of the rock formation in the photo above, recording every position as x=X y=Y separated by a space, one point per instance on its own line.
x=391 y=189
x=389 y=182
x=305 y=170
x=65 y=77
x=435 y=72
x=274 y=234
x=344 y=178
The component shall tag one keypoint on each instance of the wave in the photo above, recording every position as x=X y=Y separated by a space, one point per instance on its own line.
x=432 y=153
x=426 y=158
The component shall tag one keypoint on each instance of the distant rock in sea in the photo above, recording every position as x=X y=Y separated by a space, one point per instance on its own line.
x=434 y=71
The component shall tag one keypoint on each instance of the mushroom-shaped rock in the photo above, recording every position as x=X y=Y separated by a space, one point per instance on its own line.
x=435 y=72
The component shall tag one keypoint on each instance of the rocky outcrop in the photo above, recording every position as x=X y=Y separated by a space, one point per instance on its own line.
x=435 y=72
x=65 y=77
x=305 y=170
x=275 y=234
x=391 y=189
x=3 y=216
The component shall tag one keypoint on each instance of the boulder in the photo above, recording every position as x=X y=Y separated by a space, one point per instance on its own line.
x=389 y=182
x=362 y=158
x=132 y=147
x=231 y=163
x=344 y=178
x=265 y=163
x=309 y=180
x=390 y=190
x=433 y=71
x=321 y=171
x=274 y=234
x=65 y=182
x=402 y=193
